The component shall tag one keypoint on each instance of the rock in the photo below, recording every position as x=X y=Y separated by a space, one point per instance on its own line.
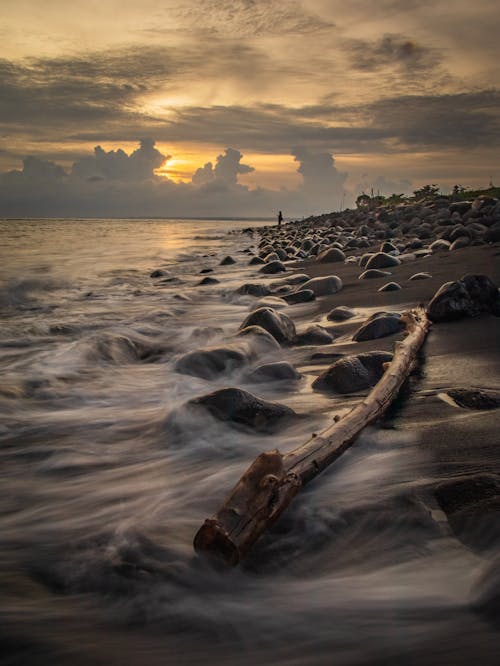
x=465 y=298
x=160 y=273
x=238 y=406
x=365 y=258
x=273 y=267
x=273 y=372
x=322 y=286
x=475 y=398
x=208 y=280
x=373 y=273
x=382 y=260
x=493 y=234
x=407 y=257
x=299 y=278
x=353 y=373
x=263 y=339
x=458 y=231
x=440 y=245
x=331 y=255
x=388 y=247
x=300 y=297
x=390 y=286
x=341 y=313
x=206 y=270
x=277 y=324
x=272 y=256
x=461 y=242
x=271 y=302
x=253 y=289
x=379 y=325
x=211 y=362
x=256 y=260
x=420 y=276
x=227 y=261
x=472 y=506
x=314 y=335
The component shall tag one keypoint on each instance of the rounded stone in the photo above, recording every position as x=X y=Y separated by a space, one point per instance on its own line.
x=353 y=373
x=277 y=324
x=323 y=286
x=330 y=255
x=273 y=267
x=390 y=286
x=382 y=260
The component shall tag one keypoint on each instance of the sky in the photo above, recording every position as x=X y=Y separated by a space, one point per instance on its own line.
x=242 y=107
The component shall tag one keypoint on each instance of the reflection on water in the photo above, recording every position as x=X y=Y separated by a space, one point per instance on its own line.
x=100 y=503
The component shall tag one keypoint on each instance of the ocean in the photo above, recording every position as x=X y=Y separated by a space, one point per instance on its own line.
x=100 y=501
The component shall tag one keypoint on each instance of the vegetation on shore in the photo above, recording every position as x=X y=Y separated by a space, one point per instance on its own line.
x=425 y=193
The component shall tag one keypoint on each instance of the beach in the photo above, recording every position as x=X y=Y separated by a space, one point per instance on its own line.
x=113 y=457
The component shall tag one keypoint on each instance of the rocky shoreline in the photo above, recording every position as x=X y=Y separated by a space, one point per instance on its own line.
x=329 y=291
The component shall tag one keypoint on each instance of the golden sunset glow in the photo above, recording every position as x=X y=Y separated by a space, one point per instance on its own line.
x=310 y=97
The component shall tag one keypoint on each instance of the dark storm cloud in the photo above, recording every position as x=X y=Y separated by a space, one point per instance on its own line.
x=227 y=169
x=112 y=183
x=466 y=120
x=61 y=95
x=391 y=50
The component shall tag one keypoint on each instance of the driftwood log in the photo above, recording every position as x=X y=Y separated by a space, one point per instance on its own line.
x=272 y=481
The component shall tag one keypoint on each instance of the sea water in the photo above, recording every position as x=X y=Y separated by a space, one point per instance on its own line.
x=99 y=503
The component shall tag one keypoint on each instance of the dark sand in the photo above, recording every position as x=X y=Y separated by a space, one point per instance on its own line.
x=462 y=353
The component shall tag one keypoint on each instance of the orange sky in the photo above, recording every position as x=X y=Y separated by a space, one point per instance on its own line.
x=395 y=91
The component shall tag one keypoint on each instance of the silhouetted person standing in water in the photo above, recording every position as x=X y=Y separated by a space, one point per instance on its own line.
x=280 y=218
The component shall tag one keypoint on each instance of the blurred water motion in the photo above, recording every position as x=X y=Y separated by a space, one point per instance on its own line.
x=99 y=504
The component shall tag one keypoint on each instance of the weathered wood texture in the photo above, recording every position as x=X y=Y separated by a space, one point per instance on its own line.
x=273 y=479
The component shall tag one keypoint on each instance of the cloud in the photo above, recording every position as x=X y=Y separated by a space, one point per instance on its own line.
x=392 y=51
x=464 y=120
x=322 y=181
x=117 y=165
x=384 y=186
x=249 y=18
x=112 y=183
x=227 y=169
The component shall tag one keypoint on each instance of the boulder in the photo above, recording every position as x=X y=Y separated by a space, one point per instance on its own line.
x=277 y=324
x=390 y=286
x=341 y=313
x=373 y=273
x=160 y=273
x=464 y=298
x=314 y=335
x=353 y=373
x=271 y=302
x=253 y=289
x=331 y=255
x=440 y=245
x=240 y=407
x=472 y=506
x=273 y=372
x=420 y=276
x=211 y=362
x=208 y=280
x=298 y=278
x=273 y=267
x=461 y=242
x=322 y=286
x=475 y=398
x=300 y=297
x=256 y=260
x=260 y=338
x=382 y=260
x=227 y=261
x=379 y=325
